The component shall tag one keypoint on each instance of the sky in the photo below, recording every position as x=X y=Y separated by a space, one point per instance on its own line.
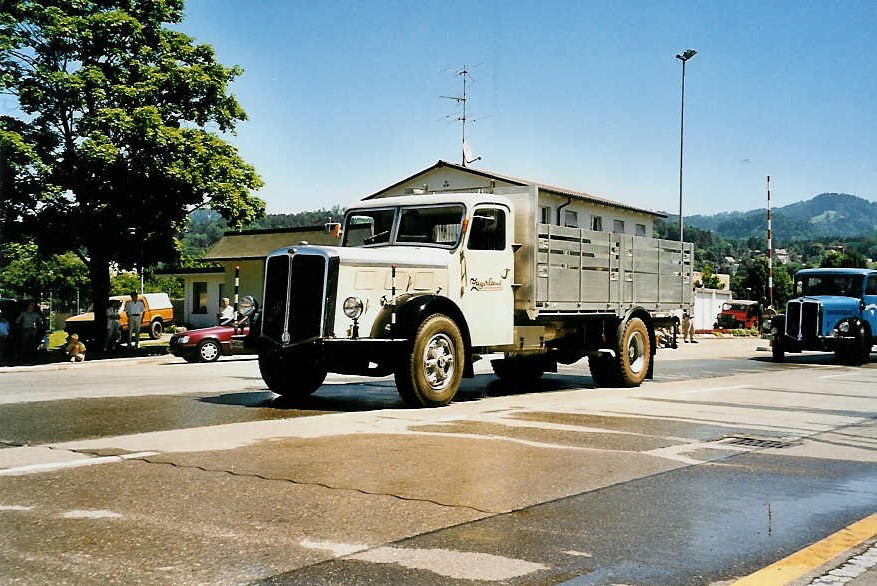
x=345 y=98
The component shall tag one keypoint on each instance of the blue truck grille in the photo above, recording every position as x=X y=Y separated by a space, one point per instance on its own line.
x=803 y=320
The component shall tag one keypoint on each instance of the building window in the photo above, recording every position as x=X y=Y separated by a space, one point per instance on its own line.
x=640 y=229
x=597 y=223
x=570 y=219
x=199 y=297
x=545 y=214
x=618 y=226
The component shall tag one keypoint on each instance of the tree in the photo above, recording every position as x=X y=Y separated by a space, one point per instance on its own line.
x=117 y=133
x=29 y=274
x=709 y=279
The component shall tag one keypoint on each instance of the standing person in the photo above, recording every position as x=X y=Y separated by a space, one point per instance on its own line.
x=114 y=326
x=4 y=339
x=226 y=312
x=75 y=349
x=30 y=331
x=687 y=328
x=134 y=309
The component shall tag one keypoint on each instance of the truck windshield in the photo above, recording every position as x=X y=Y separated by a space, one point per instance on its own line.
x=439 y=225
x=844 y=285
x=368 y=227
x=434 y=225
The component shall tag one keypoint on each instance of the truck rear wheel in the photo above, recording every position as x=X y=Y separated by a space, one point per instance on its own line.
x=634 y=356
x=632 y=361
x=430 y=375
x=291 y=376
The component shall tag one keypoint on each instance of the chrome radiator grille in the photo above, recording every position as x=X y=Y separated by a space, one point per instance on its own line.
x=294 y=297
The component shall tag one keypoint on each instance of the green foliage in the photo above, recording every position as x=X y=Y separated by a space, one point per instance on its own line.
x=205 y=227
x=709 y=279
x=114 y=135
x=852 y=259
x=28 y=273
x=126 y=282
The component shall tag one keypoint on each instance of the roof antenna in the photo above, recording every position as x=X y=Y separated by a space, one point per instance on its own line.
x=467 y=149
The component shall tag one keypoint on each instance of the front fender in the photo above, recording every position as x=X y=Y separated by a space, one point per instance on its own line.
x=410 y=310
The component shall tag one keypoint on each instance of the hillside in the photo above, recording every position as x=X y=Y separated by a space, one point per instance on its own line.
x=826 y=215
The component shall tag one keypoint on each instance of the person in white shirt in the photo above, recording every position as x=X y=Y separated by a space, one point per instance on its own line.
x=134 y=309
x=226 y=312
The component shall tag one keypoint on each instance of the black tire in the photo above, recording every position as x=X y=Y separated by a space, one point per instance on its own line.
x=293 y=376
x=778 y=348
x=864 y=343
x=209 y=351
x=430 y=375
x=603 y=371
x=634 y=353
x=633 y=357
x=857 y=352
x=519 y=369
x=155 y=329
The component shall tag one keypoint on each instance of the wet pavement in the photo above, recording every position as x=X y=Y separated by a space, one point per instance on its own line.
x=724 y=464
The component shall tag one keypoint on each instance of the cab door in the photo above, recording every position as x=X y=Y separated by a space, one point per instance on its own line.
x=869 y=313
x=488 y=273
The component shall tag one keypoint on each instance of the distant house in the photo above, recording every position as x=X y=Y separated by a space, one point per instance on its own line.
x=243 y=252
x=557 y=205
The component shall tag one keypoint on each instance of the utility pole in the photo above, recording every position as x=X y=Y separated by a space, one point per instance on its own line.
x=684 y=57
x=769 y=251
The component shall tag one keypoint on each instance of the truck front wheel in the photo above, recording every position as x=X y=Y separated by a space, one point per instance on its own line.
x=430 y=375
x=291 y=376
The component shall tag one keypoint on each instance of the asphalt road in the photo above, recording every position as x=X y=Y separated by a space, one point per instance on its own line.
x=159 y=471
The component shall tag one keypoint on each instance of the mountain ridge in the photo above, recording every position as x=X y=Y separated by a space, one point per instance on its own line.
x=822 y=216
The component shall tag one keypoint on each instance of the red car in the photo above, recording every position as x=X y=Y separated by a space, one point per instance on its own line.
x=205 y=344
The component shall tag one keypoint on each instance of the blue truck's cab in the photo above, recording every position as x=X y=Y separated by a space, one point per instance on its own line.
x=832 y=310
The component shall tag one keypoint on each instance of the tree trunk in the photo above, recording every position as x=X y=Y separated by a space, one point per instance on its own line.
x=99 y=270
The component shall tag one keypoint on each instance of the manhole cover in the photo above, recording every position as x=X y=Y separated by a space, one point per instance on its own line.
x=758 y=442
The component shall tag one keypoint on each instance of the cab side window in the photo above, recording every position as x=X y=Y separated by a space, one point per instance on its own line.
x=871 y=286
x=488 y=231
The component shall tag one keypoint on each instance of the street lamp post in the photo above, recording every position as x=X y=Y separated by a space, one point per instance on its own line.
x=684 y=57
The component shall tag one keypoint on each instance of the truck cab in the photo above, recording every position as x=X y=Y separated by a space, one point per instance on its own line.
x=834 y=309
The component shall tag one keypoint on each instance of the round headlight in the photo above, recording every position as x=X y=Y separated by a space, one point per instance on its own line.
x=843 y=327
x=353 y=307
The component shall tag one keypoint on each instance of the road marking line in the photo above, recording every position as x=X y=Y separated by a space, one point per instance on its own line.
x=813 y=556
x=51 y=466
x=462 y=565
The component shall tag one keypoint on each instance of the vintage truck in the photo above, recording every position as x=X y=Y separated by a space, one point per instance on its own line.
x=422 y=286
x=833 y=309
x=739 y=314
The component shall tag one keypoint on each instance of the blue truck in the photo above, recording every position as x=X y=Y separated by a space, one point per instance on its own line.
x=833 y=310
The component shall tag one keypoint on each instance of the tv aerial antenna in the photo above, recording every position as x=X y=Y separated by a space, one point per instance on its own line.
x=462 y=118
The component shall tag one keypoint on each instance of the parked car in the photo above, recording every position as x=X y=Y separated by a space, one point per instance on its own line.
x=208 y=344
x=158 y=315
x=205 y=344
